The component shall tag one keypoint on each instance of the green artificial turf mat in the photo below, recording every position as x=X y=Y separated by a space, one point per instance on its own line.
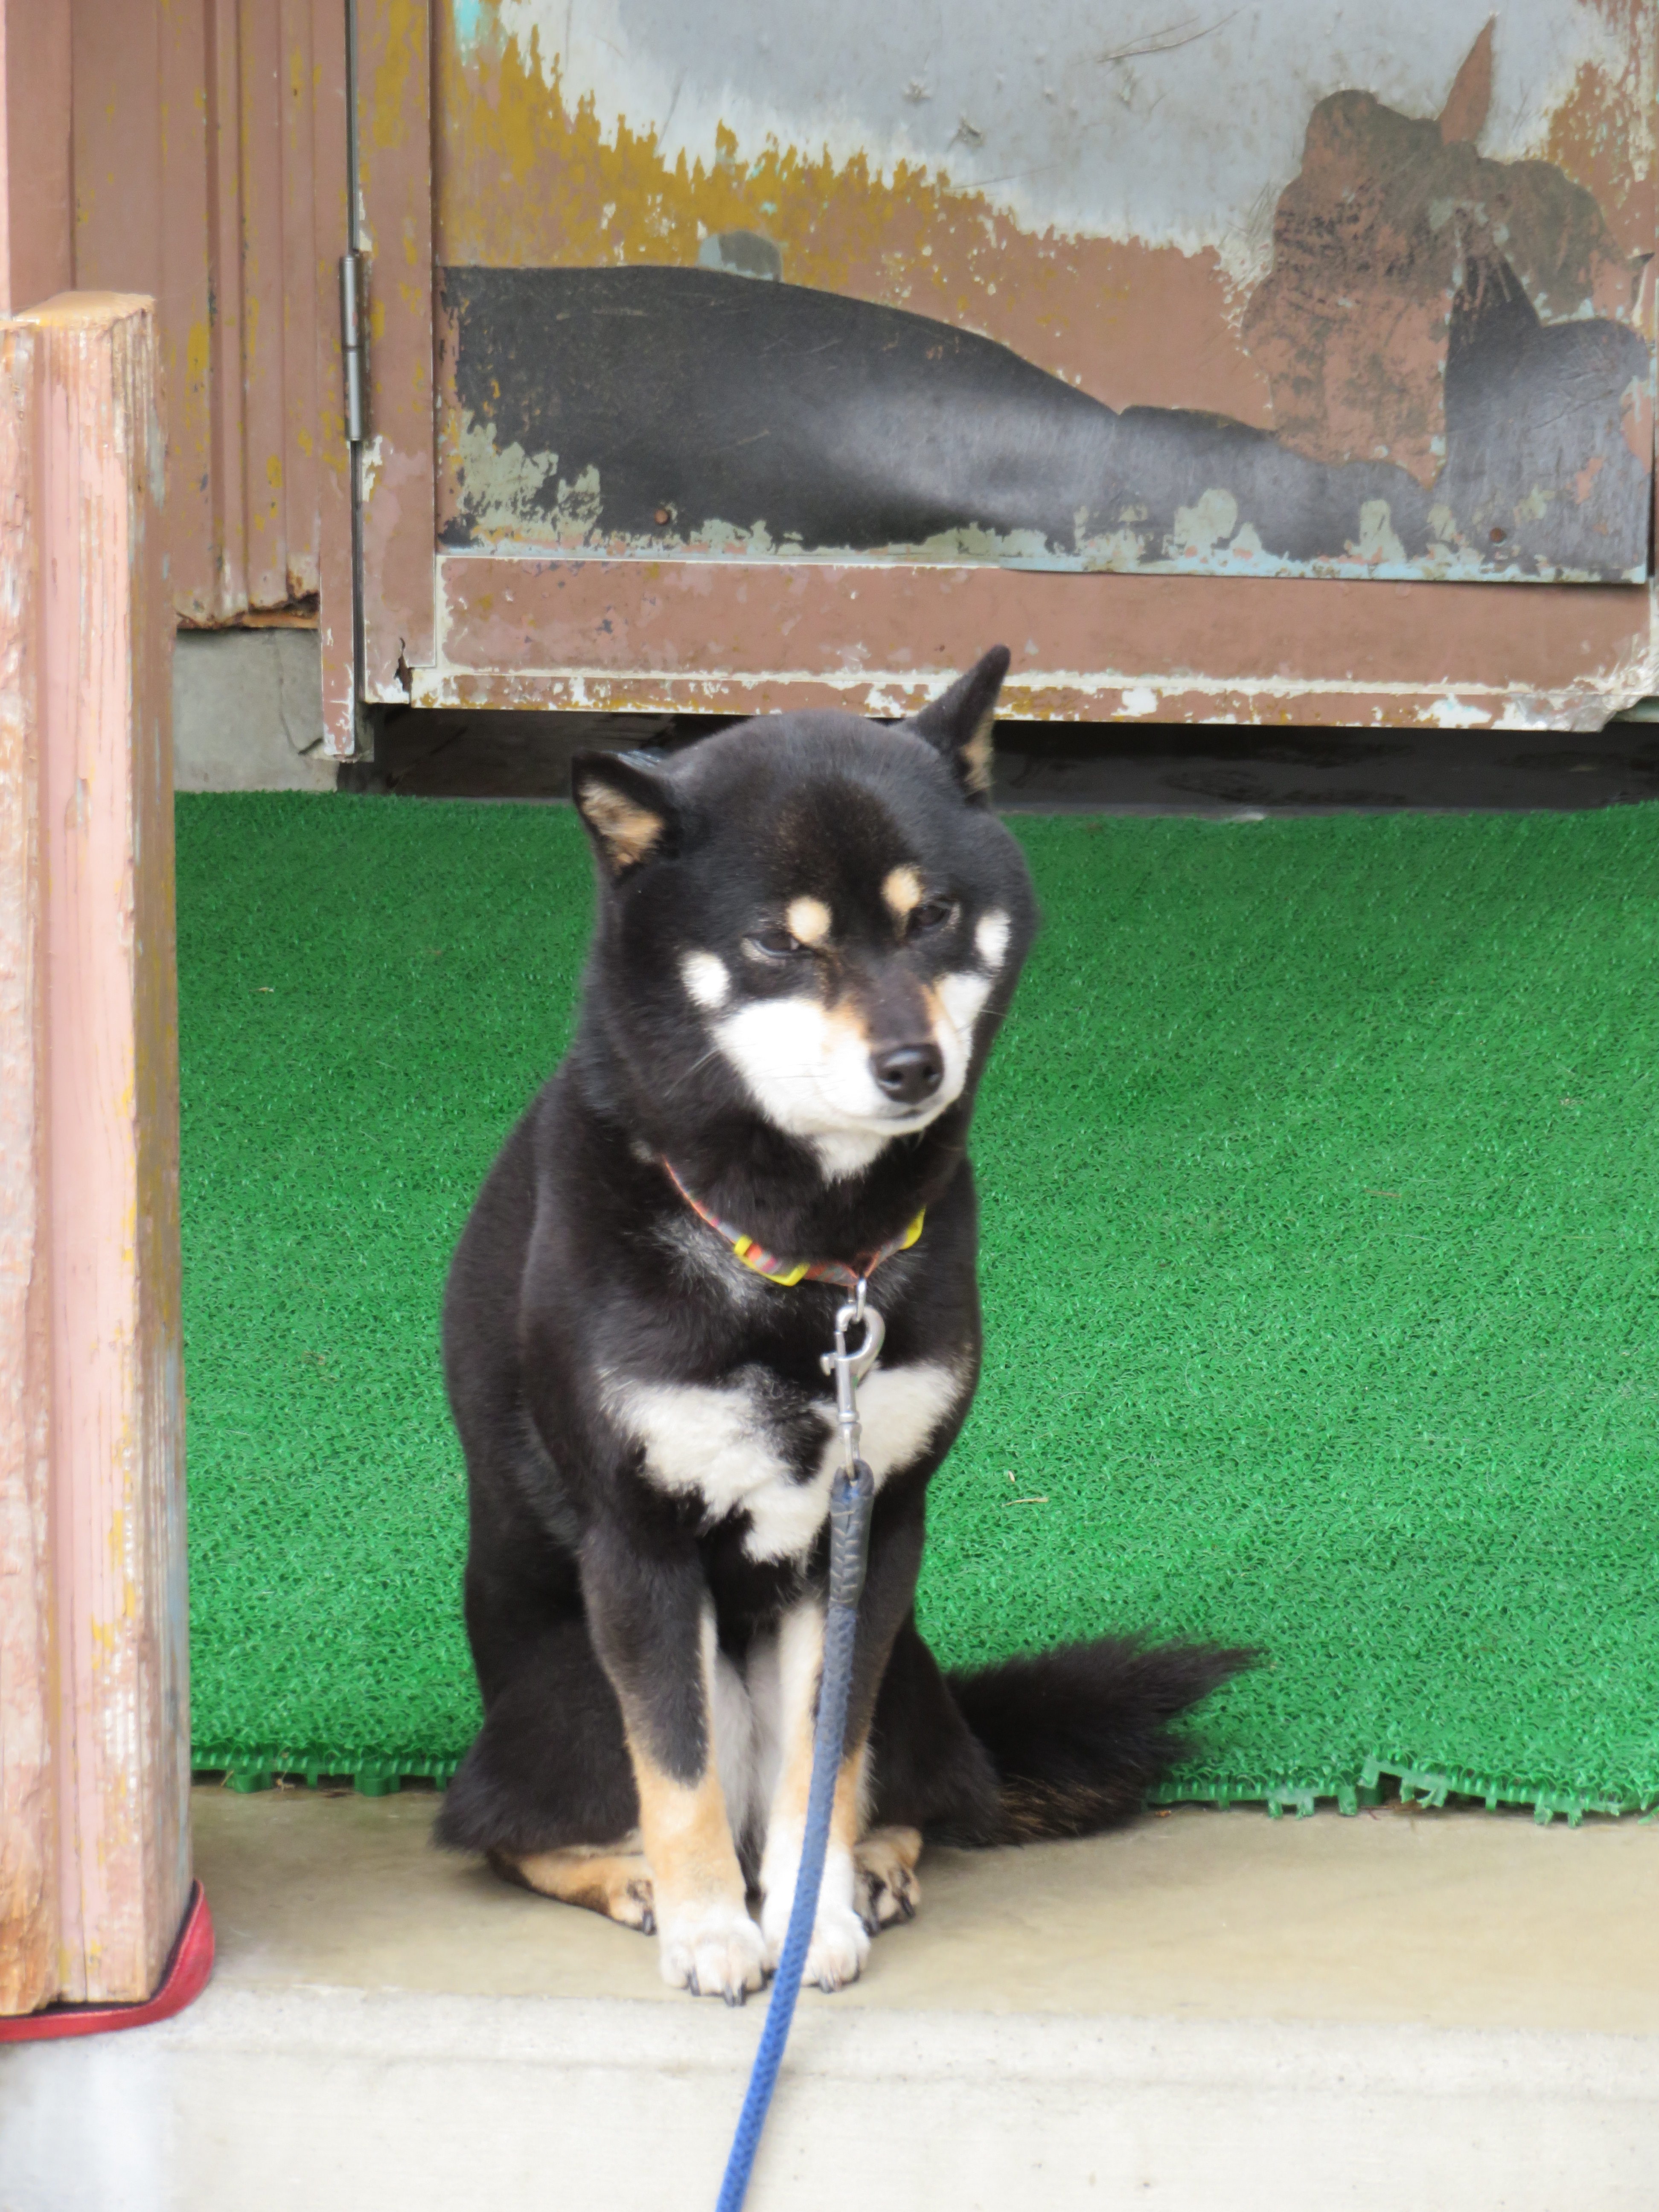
x=1318 y=1189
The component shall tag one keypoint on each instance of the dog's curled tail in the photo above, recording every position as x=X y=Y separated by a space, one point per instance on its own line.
x=1078 y=1735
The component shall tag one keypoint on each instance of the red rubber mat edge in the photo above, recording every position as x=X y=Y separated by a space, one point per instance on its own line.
x=186 y=1977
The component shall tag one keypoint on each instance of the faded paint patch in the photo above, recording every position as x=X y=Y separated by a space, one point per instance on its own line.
x=503 y=489
x=522 y=178
x=1601 y=134
x=1376 y=541
x=1452 y=713
x=1094 y=123
x=1200 y=529
x=1374 y=244
x=742 y=253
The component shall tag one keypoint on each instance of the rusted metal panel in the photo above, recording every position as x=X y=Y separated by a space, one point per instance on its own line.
x=1259 y=292
x=398 y=492
x=197 y=179
x=747 y=637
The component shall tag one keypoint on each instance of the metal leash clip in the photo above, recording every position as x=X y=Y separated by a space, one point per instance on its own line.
x=850 y=1368
x=853 y=1493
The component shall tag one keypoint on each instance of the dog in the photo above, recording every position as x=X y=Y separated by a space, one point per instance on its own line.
x=810 y=927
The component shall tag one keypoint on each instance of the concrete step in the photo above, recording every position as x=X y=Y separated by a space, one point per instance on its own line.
x=1212 y=2010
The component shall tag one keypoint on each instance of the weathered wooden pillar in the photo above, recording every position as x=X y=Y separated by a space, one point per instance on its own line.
x=95 y=1759
x=28 y=1826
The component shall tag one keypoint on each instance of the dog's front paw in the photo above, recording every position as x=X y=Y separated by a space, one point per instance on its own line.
x=840 y=1945
x=839 y=1949
x=713 y=1950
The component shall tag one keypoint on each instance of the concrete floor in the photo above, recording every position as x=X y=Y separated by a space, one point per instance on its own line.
x=1450 y=1919
x=1210 y=2012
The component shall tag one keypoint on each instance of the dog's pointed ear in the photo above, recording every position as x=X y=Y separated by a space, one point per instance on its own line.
x=959 y=725
x=628 y=808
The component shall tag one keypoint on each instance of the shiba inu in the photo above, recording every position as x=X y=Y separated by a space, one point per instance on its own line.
x=809 y=928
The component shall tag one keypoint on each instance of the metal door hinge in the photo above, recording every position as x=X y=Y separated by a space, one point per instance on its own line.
x=351 y=342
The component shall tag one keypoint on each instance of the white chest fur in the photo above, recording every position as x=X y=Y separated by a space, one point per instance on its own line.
x=715 y=1442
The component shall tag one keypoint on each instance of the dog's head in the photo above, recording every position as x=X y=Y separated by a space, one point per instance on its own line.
x=812 y=916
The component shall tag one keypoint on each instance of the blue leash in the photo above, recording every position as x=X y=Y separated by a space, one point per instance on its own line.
x=851 y=1497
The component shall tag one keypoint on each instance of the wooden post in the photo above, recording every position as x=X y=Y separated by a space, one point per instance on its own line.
x=28 y=1826
x=94 y=1749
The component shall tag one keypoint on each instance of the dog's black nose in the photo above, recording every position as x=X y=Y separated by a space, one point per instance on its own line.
x=908 y=1073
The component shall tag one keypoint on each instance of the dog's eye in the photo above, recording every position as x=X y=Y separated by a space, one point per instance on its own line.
x=776 y=945
x=931 y=914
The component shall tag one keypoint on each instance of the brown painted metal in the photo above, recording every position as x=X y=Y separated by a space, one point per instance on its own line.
x=198 y=175
x=704 y=637
x=398 y=503
x=524 y=176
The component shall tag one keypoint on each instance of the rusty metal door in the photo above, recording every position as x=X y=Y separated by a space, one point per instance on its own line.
x=1273 y=362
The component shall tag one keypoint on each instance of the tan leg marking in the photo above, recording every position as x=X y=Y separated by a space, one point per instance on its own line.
x=608 y=1879
x=710 y=1945
x=886 y=1887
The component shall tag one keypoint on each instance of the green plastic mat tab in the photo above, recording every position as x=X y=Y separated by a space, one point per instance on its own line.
x=1318 y=1186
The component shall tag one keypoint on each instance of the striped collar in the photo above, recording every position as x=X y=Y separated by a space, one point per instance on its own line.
x=804 y=1271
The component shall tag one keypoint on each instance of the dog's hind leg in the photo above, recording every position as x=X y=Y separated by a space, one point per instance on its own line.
x=610 y=1879
x=549 y=1771
x=884 y=1885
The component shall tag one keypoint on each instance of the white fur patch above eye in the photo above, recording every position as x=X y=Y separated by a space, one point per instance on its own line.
x=707 y=978
x=991 y=935
x=902 y=888
x=807 y=920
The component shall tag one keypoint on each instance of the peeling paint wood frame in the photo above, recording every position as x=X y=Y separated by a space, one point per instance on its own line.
x=394 y=126
x=94 y=1746
x=198 y=175
x=332 y=237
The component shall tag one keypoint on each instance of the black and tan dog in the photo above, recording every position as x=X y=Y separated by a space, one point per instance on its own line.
x=809 y=928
